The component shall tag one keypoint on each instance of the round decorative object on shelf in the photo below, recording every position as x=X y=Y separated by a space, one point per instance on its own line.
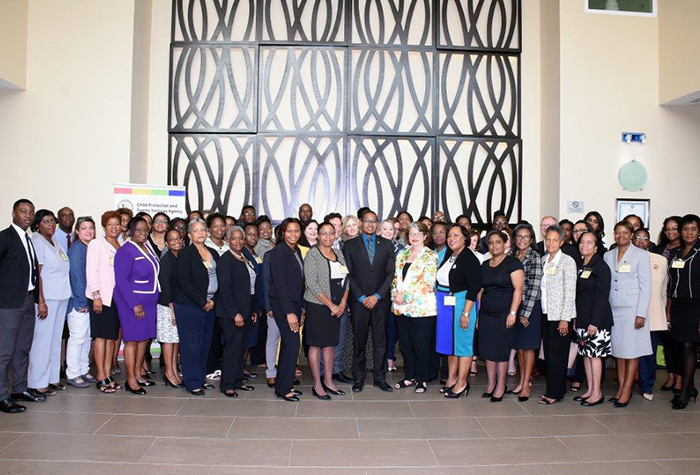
x=632 y=176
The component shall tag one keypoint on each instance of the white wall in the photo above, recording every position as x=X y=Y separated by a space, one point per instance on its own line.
x=610 y=84
x=13 y=44
x=66 y=139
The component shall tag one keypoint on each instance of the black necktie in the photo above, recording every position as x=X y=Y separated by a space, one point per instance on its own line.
x=31 y=259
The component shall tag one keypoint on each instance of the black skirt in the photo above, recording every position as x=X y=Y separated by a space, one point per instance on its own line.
x=106 y=324
x=322 y=329
x=685 y=318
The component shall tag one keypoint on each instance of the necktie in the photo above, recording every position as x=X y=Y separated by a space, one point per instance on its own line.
x=68 y=239
x=31 y=259
x=370 y=250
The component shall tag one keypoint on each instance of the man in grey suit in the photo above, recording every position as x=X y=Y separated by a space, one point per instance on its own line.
x=18 y=294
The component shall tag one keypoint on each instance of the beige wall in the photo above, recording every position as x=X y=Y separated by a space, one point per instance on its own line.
x=610 y=84
x=13 y=43
x=66 y=139
x=679 y=49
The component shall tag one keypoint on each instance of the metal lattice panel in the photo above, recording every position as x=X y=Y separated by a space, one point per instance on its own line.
x=392 y=104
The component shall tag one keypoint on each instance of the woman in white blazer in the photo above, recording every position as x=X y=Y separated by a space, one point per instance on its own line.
x=630 y=293
x=558 y=298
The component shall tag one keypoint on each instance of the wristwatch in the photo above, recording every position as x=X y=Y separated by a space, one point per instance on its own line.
x=512 y=312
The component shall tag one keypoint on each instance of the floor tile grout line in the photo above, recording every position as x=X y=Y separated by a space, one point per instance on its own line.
x=662 y=466
x=574 y=453
x=432 y=452
x=592 y=416
x=410 y=406
x=10 y=444
x=181 y=407
x=230 y=427
x=482 y=426
x=291 y=447
x=359 y=434
x=105 y=423
x=147 y=450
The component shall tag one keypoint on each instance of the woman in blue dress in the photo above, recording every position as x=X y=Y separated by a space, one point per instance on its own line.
x=458 y=284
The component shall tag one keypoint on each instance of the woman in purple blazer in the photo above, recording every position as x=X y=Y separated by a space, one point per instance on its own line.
x=136 y=295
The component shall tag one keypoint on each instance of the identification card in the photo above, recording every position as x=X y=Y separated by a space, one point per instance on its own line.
x=624 y=268
x=207 y=264
x=344 y=269
x=258 y=259
x=586 y=274
x=63 y=256
x=678 y=264
x=450 y=300
x=111 y=261
x=551 y=270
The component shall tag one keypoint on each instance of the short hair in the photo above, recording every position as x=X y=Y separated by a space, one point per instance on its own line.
x=528 y=227
x=625 y=224
x=228 y=216
x=229 y=233
x=172 y=230
x=133 y=222
x=176 y=220
x=465 y=232
x=19 y=202
x=362 y=211
x=326 y=223
x=643 y=230
x=249 y=225
x=440 y=223
x=367 y=211
x=592 y=234
x=194 y=221
x=285 y=224
x=498 y=214
x=626 y=218
x=473 y=232
x=687 y=219
x=555 y=228
x=330 y=216
x=213 y=216
x=84 y=219
x=245 y=207
x=125 y=211
x=198 y=213
x=107 y=215
x=41 y=214
x=141 y=214
x=419 y=226
x=565 y=221
x=160 y=213
x=503 y=236
x=463 y=216
x=386 y=221
x=423 y=218
x=406 y=213
x=263 y=218
x=344 y=236
x=549 y=216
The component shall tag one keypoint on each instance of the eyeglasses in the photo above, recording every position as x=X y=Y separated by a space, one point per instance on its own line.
x=641 y=238
x=415 y=234
x=523 y=238
x=500 y=222
x=369 y=221
x=160 y=221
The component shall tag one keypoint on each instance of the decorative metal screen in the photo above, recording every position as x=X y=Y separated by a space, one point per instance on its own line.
x=391 y=104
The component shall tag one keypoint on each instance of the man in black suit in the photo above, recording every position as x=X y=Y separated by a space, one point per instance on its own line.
x=18 y=294
x=370 y=261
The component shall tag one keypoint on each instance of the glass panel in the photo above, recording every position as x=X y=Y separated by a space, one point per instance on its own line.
x=635 y=6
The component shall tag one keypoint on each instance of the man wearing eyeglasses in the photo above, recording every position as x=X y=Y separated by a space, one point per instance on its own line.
x=370 y=262
x=657 y=311
x=248 y=214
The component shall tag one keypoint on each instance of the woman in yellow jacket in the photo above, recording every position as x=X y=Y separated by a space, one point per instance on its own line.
x=414 y=303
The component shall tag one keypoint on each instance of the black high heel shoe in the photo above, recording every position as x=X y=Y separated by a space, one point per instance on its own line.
x=619 y=404
x=499 y=399
x=666 y=388
x=322 y=398
x=487 y=395
x=338 y=392
x=139 y=392
x=679 y=404
x=289 y=398
x=167 y=383
x=586 y=403
x=453 y=395
x=145 y=384
x=612 y=399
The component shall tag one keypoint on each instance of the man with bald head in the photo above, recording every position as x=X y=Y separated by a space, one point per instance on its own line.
x=306 y=214
x=66 y=220
x=545 y=223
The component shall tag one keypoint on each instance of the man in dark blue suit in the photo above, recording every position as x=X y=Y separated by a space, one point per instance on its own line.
x=18 y=295
x=370 y=260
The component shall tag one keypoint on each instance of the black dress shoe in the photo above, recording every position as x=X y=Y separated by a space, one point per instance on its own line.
x=382 y=385
x=357 y=387
x=325 y=397
x=289 y=398
x=297 y=382
x=579 y=398
x=587 y=403
x=245 y=387
x=138 y=391
x=30 y=395
x=338 y=392
x=208 y=386
x=297 y=392
x=8 y=406
x=146 y=384
x=342 y=378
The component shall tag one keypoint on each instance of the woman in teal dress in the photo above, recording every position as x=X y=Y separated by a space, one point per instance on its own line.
x=458 y=284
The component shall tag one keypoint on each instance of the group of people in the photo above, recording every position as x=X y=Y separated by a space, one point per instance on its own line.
x=219 y=292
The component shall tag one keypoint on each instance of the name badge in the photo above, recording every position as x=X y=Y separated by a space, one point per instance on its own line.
x=258 y=259
x=450 y=300
x=678 y=264
x=63 y=256
x=207 y=264
x=551 y=270
x=111 y=261
x=344 y=269
x=625 y=269
x=586 y=274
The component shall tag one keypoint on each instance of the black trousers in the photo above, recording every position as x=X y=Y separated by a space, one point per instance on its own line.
x=415 y=337
x=362 y=320
x=673 y=353
x=16 y=335
x=289 y=349
x=232 y=362
x=257 y=353
x=217 y=348
x=556 y=357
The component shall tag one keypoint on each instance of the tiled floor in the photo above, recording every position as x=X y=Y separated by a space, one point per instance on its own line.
x=370 y=433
